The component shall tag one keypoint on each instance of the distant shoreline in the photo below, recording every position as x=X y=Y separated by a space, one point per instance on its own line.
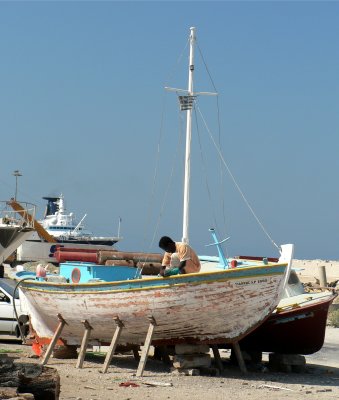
x=309 y=269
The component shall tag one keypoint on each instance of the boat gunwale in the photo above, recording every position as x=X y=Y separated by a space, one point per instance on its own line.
x=323 y=299
x=68 y=287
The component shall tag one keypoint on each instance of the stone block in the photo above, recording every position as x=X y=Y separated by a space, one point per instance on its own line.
x=186 y=372
x=192 y=361
x=191 y=349
x=287 y=362
x=287 y=359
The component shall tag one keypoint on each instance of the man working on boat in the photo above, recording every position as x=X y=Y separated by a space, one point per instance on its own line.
x=179 y=258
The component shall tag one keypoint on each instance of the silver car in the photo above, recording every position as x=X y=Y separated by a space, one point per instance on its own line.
x=9 y=324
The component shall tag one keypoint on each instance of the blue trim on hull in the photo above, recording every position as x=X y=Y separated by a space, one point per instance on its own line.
x=148 y=283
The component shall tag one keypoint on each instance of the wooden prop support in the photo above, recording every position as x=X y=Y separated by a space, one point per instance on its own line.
x=57 y=333
x=217 y=357
x=145 y=349
x=240 y=358
x=84 y=344
x=113 y=344
x=322 y=276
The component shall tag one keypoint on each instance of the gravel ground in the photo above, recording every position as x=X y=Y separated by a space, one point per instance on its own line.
x=320 y=381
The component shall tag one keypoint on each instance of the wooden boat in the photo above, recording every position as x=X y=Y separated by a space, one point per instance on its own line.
x=215 y=306
x=186 y=308
x=297 y=325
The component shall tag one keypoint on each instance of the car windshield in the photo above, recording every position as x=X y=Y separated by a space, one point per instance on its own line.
x=9 y=285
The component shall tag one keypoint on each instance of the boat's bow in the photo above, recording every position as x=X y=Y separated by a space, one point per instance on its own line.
x=15 y=228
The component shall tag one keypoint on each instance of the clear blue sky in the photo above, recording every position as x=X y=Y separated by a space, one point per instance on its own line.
x=81 y=102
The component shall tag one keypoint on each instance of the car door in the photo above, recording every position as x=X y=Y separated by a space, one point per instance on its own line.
x=7 y=318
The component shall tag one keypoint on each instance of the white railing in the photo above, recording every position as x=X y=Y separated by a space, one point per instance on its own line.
x=23 y=218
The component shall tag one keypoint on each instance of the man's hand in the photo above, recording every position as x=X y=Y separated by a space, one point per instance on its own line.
x=162 y=271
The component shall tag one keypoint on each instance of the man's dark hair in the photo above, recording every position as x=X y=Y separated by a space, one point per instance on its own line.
x=165 y=241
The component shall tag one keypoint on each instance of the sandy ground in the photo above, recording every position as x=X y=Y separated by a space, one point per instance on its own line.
x=320 y=381
x=308 y=270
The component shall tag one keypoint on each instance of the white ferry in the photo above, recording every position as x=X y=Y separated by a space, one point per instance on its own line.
x=64 y=231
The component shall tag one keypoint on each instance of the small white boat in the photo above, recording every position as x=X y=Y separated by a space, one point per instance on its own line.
x=15 y=228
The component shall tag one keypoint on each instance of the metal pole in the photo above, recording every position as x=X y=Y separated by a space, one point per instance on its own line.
x=119 y=226
x=16 y=173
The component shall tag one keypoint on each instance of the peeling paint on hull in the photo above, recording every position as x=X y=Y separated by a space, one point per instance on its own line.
x=215 y=307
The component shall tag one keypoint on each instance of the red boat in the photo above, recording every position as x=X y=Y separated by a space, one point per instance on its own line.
x=298 y=324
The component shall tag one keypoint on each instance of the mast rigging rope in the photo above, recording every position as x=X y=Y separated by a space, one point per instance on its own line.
x=235 y=182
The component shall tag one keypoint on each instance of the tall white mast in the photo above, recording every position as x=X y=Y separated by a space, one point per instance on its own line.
x=186 y=100
x=188 y=142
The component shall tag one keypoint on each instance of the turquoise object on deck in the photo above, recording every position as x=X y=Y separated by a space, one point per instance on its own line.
x=222 y=257
x=24 y=275
x=28 y=274
x=81 y=272
x=172 y=271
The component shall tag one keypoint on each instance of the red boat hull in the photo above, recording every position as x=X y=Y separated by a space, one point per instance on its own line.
x=299 y=330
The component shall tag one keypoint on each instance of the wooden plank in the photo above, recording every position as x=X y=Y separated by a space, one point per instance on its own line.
x=240 y=358
x=145 y=349
x=84 y=344
x=57 y=333
x=113 y=345
x=217 y=357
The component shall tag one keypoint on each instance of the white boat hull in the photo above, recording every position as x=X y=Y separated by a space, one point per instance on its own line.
x=215 y=307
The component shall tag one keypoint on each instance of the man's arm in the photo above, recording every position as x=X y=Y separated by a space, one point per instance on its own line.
x=162 y=270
